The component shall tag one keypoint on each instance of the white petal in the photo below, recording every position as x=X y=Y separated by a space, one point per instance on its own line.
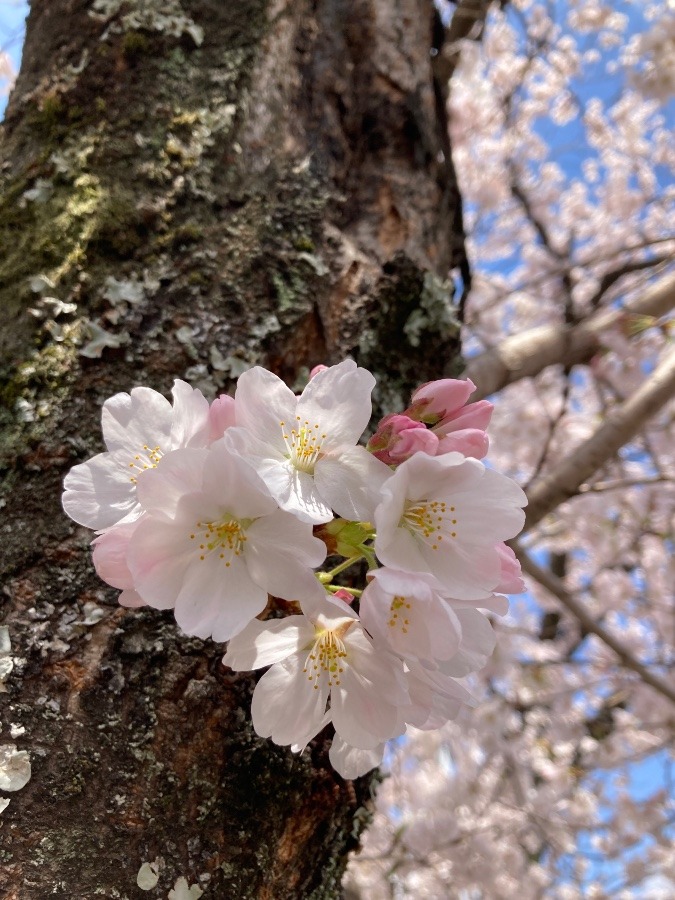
x=263 y=402
x=190 y=426
x=284 y=532
x=158 y=558
x=401 y=551
x=360 y=716
x=178 y=473
x=338 y=400
x=99 y=492
x=232 y=482
x=286 y=706
x=130 y=421
x=478 y=643
x=265 y=643
x=15 y=769
x=215 y=601
x=350 y=762
x=350 y=481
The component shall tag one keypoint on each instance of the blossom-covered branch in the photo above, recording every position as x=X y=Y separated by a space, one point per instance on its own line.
x=621 y=425
x=526 y=354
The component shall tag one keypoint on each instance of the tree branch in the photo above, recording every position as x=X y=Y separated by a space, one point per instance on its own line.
x=590 y=624
x=525 y=355
x=620 y=426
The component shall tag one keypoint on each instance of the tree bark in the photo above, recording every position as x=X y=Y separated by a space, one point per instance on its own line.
x=215 y=185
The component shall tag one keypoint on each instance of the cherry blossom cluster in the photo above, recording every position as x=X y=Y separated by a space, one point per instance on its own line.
x=207 y=509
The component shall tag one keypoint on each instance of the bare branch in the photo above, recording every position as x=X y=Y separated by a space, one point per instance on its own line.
x=525 y=355
x=590 y=624
x=621 y=425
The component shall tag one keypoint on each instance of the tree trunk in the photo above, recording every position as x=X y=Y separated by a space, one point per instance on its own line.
x=214 y=185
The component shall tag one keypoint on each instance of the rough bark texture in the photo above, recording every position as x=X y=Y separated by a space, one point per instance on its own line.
x=280 y=193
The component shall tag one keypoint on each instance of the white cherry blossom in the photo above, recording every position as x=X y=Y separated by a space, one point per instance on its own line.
x=321 y=657
x=138 y=429
x=212 y=543
x=305 y=448
x=445 y=515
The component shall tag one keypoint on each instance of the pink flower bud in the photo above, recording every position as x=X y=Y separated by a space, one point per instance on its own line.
x=442 y=405
x=399 y=437
x=511 y=581
x=342 y=594
x=317 y=369
x=469 y=442
x=436 y=400
x=221 y=416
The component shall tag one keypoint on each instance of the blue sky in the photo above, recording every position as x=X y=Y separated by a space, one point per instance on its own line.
x=12 y=17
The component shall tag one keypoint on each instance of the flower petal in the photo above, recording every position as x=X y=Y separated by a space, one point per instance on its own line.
x=350 y=481
x=263 y=402
x=99 y=492
x=265 y=643
x=350 y=762
x=130 y=421
x=285 y=706
x=338 y=400
x=218 y=602
x=178 y=473
x=190 y=426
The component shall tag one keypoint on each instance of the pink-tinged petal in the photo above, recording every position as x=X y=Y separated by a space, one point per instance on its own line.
x=495 y=603
x=221 y=416
x=440 y=477
x=158 y=558
x=435 y=699
x=279 y=574
x=445 y=395
x=190 y=426
x=338 y=401
x=350 y=762
x=293 y=490
x=360 y=715
x=131 y=599
x=474 y=415
x=263 y=403
x=478 y=643
x=327 y=610
x=110 y=555
x=317 y=369
x=350 y=482
x=466 y=571
x=492 y=513
x=511 y=581
x=412 y=620
x=178 y=473
x=217 y=601
x=470 y=442
x=401 y=551
x=377 y=667
x=233 y=483
x=283 y=532
x=131 y=421
x=99 y=492
x=285 y=706
x=265 y=643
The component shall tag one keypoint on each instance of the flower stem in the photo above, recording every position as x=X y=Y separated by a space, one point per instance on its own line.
x=340 y=587
x=327 y=577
